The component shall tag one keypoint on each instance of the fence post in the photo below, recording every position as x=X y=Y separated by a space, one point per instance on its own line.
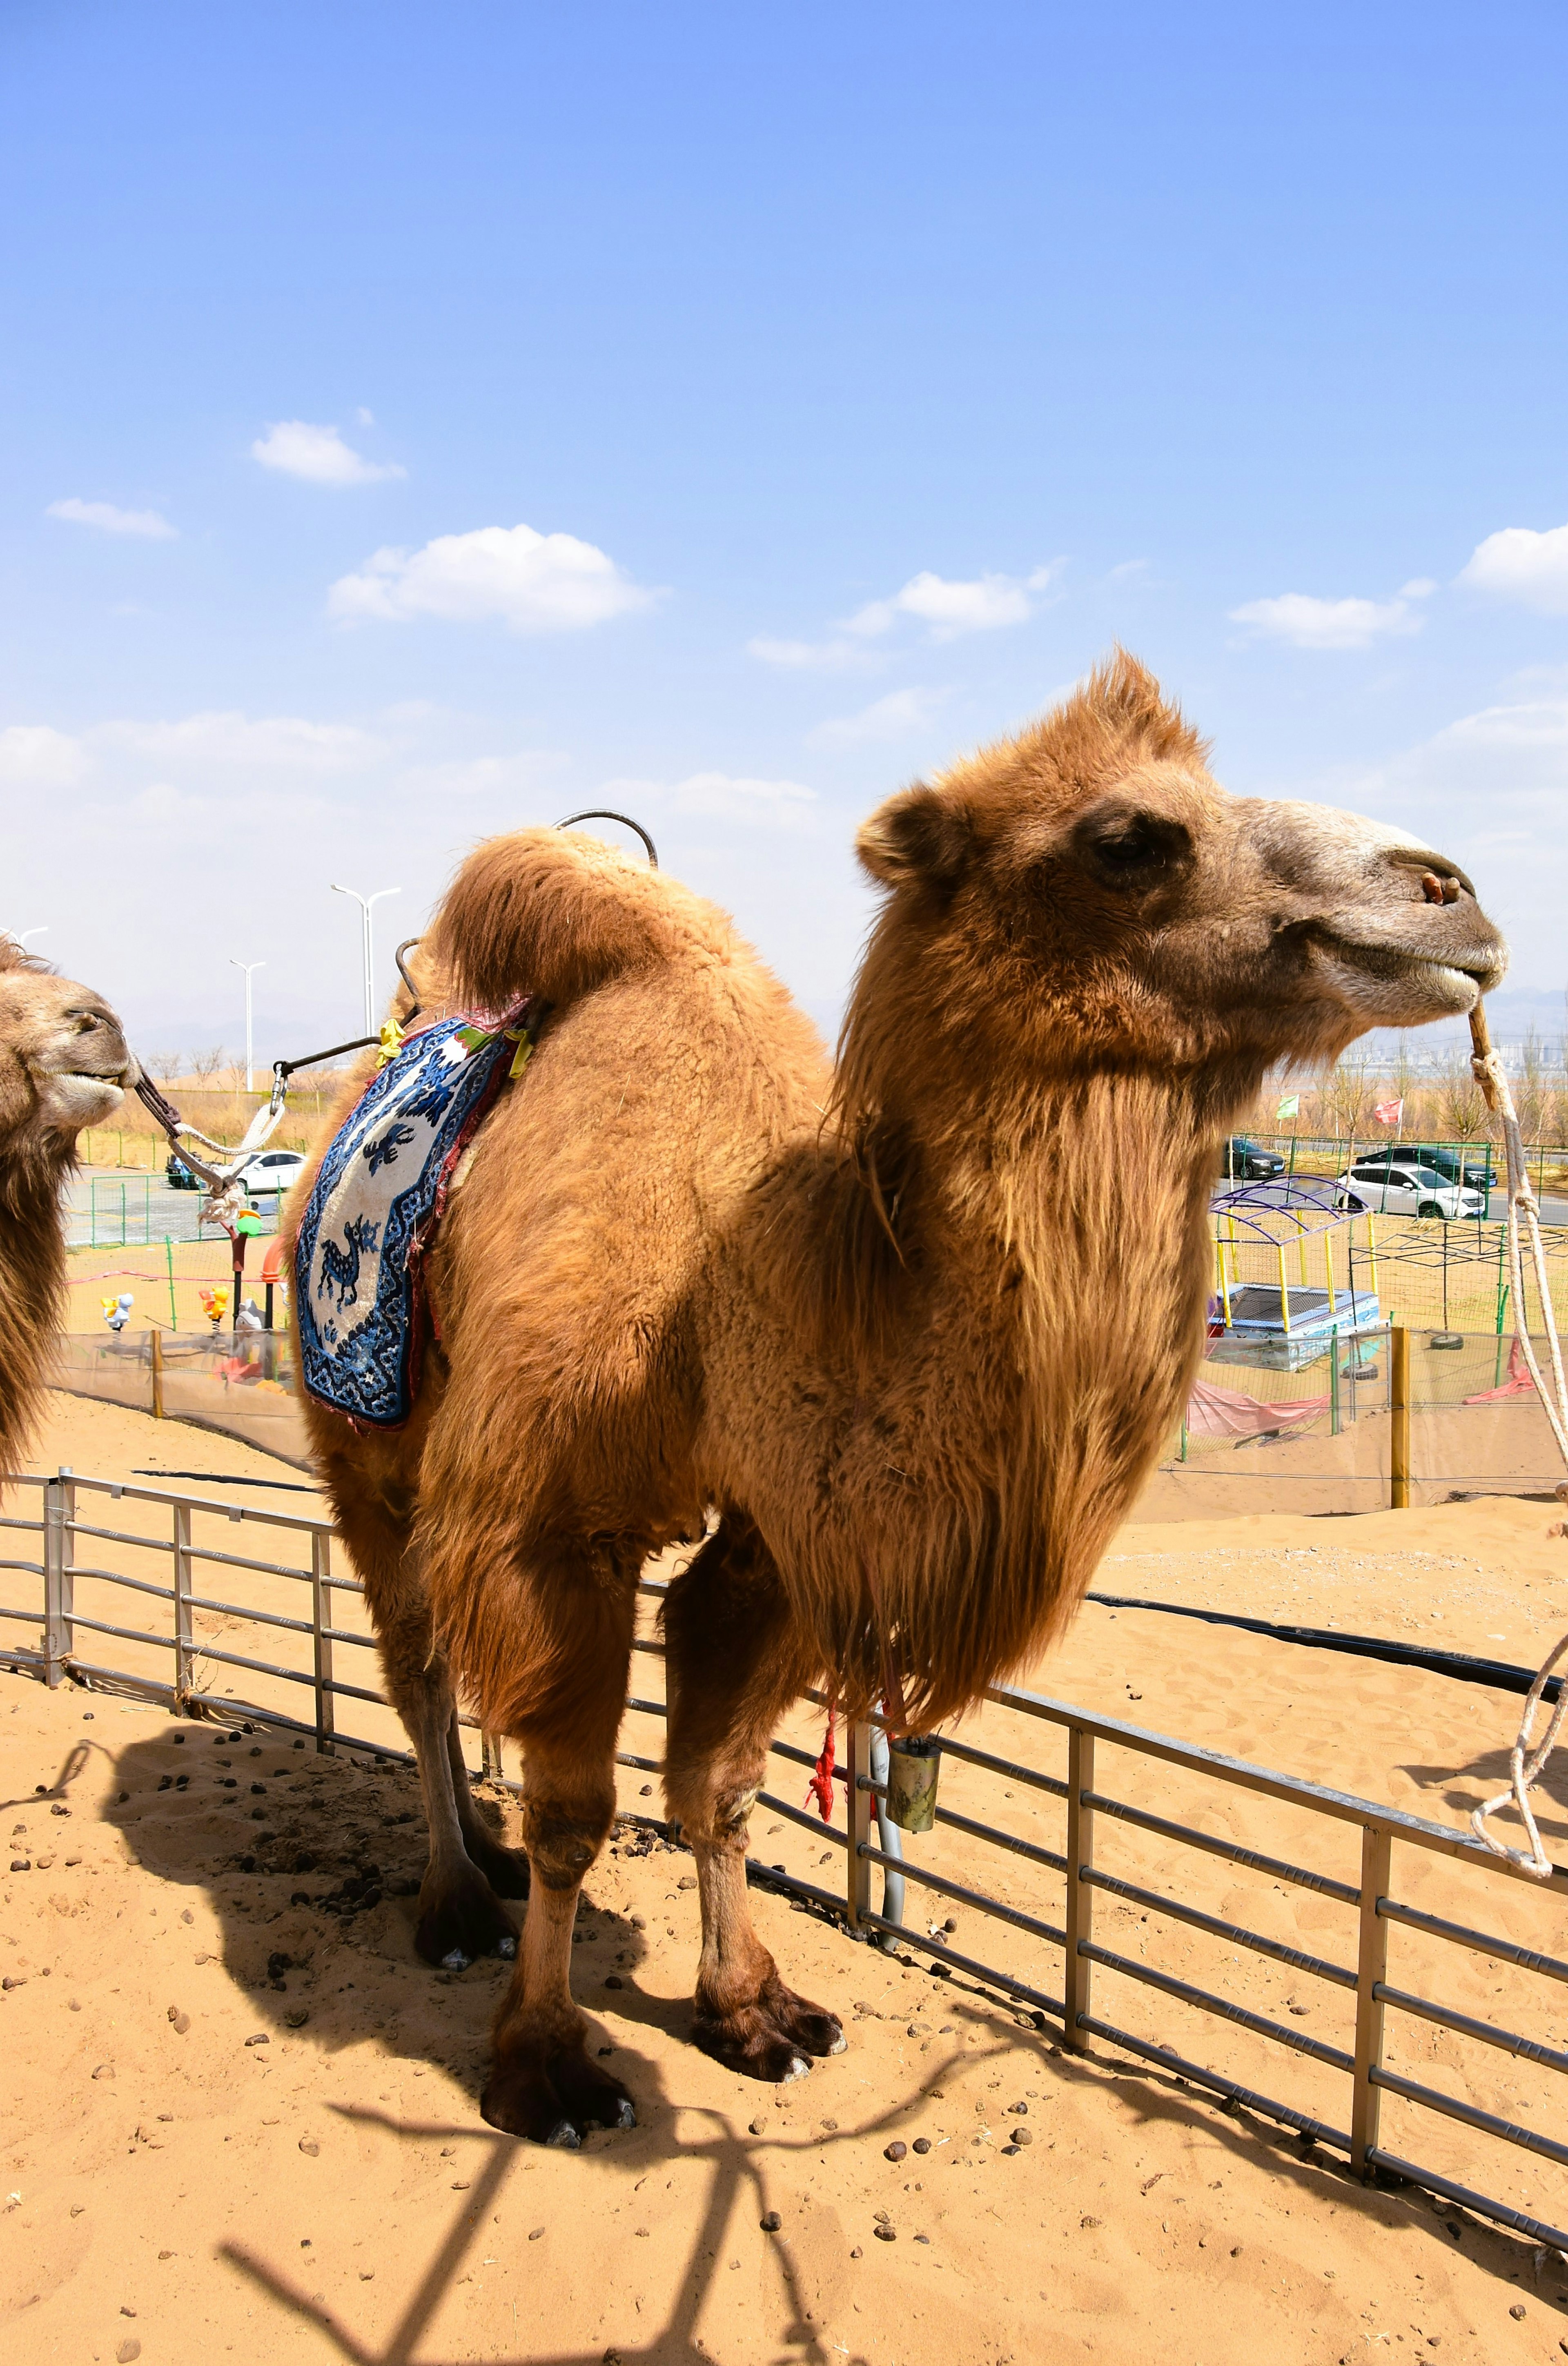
x=185 y=1633
x=1371 y=1963
x=321 y=1619
x=1399 y=1440
x=857 y=1876
x=157 y=1373
x=1080 y=1897
x=59 y=1592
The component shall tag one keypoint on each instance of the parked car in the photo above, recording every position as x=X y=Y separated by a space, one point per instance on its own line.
x=270 y=1171
x=1476 y=1170
x=1242 y=1161
x=178 y=1174
x=1374 y=1185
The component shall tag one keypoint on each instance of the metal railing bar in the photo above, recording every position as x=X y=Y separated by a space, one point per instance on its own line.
x=1485 y=1944
x=1470 y=2115
x=994 y=1765
x=1518 y=2221
x=297 y=1521
x=135 y=1585
x=950 y=1957
x=1297 y=2040
x=1507 y=2041
x=803 y=1817
x=243 y=1560
x=27 y=1617
x=1442 y=1840
x=643 y=1765
x=1169 y=2059
x=117 y=1537
x=645 y=1643
x=1190 y=1837
x=259 y=1617
x=646 y=1708
x=286 y=1675
x=769 y=1878
x=1030 y=1849
x=125 y=1634
x=368 y=1643
x=975 y=1897
x=804 y=1757
x=30 y=1567
x=1232 y=1932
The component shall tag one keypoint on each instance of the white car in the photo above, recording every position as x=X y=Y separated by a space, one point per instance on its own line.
x=1405 y=1191
x=272 y=1171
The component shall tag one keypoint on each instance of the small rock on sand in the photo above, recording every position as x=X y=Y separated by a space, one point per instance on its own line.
x=178 y=2022
x=309 y=2144
x=128 y=2349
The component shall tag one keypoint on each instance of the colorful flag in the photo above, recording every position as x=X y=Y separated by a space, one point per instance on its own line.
x=1290 y=1106
x=1389 y=1112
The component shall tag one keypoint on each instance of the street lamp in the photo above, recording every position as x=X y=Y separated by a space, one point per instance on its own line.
x=250 y=1033
x=365 y=903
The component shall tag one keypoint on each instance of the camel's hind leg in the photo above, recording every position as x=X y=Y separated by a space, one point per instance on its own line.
x=566 y=1692
x=459 y=1914
x=734 y=1666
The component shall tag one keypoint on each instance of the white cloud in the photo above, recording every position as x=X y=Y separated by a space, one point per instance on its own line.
x=953 y=607
x=272 y=743
x=478 y=776
x=533 y=583
x=822 y=657
x=902 y=711
x=34 y=756
x=1310 y=623
x=734 y=798
x=1518 y=564
x=145 y=523
x=319 y=455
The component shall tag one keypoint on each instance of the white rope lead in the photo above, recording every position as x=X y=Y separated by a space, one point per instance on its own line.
x=1527 y=1759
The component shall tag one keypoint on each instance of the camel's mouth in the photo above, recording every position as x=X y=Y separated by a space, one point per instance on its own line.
x=1383 y=978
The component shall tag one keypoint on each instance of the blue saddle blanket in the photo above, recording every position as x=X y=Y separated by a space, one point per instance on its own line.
x=380 y=1189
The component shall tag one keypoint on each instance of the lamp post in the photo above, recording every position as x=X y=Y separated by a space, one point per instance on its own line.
x=250 y=1033
x=365 y=903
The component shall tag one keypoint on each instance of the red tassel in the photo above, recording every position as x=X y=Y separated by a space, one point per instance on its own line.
x=820 y=1787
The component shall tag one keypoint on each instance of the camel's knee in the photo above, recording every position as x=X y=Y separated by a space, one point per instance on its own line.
x=711 y=1814
x=563 y=1838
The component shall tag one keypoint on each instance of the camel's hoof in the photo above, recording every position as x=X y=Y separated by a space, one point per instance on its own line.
x=460 y=1917
x=810 y=2026
x=553 y=2095
x=798 y=2070
x=507 y=1947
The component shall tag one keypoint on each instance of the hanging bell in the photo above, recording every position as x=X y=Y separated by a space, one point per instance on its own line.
x=914 y=1761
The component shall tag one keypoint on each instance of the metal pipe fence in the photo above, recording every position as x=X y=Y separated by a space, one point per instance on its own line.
x=1093 y=1812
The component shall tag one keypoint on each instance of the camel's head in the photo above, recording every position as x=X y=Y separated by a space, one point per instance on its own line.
x=64 y=1063
x=1087 y=893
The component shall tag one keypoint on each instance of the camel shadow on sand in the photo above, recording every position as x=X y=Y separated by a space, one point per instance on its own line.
x=326 y=1963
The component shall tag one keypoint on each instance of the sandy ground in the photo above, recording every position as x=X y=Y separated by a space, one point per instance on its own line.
x=240 y=2119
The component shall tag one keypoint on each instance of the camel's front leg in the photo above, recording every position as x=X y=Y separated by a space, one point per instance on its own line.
x=733 y=1668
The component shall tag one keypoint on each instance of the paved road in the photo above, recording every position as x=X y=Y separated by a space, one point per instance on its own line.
x=115 y=1207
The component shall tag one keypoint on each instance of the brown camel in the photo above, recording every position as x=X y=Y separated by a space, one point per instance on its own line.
x=914 y=1331
x=63 y=1064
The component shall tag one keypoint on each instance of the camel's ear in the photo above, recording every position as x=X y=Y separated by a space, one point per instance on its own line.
x=921 y=834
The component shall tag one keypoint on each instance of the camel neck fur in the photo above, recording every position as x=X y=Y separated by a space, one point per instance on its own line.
x=32 y=1286
x=1013 y=1289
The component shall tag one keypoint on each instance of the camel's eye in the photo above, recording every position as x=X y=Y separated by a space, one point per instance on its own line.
x=1133 y=848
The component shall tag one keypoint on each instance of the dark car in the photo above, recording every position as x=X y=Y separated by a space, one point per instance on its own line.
x=1242 y=1161
x=178 y=1174
x=1476 y=1171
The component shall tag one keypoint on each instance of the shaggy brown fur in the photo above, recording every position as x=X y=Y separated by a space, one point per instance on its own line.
x=63 y=1064
x=916 y=1330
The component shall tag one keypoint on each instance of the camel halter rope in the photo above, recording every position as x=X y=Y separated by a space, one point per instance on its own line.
x=1527 y=1759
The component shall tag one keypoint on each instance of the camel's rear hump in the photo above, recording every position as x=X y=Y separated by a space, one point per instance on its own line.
x=551 y=912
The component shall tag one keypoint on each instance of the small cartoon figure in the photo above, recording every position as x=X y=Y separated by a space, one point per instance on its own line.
x=214 y=1304
x=116 y=1310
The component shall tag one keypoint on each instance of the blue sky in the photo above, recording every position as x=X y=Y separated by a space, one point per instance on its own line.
x=423 y=422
